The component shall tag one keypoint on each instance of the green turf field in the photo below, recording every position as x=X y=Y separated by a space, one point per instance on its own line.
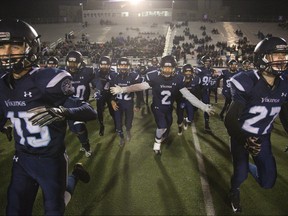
x=190 y=178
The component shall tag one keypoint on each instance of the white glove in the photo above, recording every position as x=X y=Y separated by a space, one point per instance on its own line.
x=117 y=90
x=209 y=109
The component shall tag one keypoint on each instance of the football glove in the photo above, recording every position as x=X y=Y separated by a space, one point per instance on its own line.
x=46 y=115
x=97 y=94
x=253 y=145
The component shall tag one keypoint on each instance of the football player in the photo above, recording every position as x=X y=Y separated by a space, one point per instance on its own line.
x=102 y=93
x=205 y=73
x=226 y=75
x=123 y=103
x=38 y=101
x=192 y=83
x=246 y=66
x=257 y=98
x=141 y=69
x=82 y=76
x=154 y=64
x=165 y=84
x=52 y=62
x=214 y=84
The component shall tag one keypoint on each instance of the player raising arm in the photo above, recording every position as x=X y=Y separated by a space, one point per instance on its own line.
x=165 y=84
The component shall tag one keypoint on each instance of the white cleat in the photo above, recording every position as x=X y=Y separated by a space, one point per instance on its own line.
x=185 y=124
x=88 y=153
x=156 y=148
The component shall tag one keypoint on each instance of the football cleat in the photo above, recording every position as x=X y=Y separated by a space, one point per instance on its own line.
x=86 y=148
x=185 y=124
x=80 y=173
x=88 y=153
x=207 y=128
x=234 y=197
x=122 y=142
x=180 y=130
x=156 y=148
x=101 y=130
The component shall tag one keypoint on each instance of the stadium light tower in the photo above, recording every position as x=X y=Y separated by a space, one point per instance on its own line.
x=173 y=2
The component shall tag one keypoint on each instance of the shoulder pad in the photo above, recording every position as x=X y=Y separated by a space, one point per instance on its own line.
x=245 y=81
x=54 y=80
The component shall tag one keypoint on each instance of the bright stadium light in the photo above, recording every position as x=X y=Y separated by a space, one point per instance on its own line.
x=135 y=2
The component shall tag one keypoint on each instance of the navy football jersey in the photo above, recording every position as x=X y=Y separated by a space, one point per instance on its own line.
x=152 y=68
x=164 y=90
x=141 y=70
x=40 y=87
x=101 y=80
x=123 y=81
x=194 y=86
x=214 y=82
x=262 y=103
x=81 y=82
x=205 y=75
x=226 y=76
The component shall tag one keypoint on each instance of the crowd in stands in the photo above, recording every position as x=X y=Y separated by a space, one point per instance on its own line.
x=148 y=44
x=219 y=51
x=145 y=45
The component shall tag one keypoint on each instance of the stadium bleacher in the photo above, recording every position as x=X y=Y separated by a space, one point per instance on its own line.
x=55 y=33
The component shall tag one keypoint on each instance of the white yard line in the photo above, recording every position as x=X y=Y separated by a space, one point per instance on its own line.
x=203 y=177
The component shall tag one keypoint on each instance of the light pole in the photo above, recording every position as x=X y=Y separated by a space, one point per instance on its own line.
x=173 y=2
x=81 y=7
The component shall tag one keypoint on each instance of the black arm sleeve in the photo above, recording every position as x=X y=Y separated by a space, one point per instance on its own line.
x=283 y=115
x=231 y=121
x=78 y=110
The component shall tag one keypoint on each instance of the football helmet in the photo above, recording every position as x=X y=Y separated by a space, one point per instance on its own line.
x=246 y=64
x=52 y=62
x=154 y=61
x=187 y=71
x=15 y=31
x=104 y=64
x=74 y=60
x=167 y=66
x=271 y=55
x=233 y=65
x=141 y=62
x=142 y=67
x=206 y=61
x=123 y=65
